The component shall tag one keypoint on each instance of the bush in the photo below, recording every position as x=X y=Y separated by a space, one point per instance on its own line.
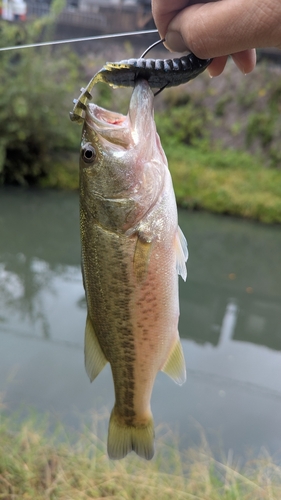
x=36 y=91
x=183 y=124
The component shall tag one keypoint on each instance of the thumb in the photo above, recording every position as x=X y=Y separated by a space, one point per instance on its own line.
x=225 y=27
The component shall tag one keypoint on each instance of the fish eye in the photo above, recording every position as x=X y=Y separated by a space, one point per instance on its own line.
x=88 y=153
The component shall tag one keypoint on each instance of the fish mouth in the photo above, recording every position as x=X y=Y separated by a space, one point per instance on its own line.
x=111 y=128
x=102 y=118
x=116 y=128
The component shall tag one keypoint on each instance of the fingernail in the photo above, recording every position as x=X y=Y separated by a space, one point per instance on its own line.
x=175 y=42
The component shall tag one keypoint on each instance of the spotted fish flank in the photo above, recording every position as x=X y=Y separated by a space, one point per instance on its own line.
x=132 y=253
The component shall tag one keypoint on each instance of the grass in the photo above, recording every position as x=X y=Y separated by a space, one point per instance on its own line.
x=34 y=466
x=228 y=182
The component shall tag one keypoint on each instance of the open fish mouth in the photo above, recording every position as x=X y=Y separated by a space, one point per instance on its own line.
x=111 y=129
x=98 y=117
x=120 y=129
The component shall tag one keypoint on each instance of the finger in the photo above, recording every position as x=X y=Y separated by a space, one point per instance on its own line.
x=165 y=10
x=245 y=60
x=217 y=66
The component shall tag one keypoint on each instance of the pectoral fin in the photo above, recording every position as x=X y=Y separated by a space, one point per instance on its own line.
x=181 y=253
x=175 y=364
x=141 y=258
x=95 y=360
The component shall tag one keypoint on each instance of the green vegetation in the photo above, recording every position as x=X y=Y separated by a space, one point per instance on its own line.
x=34 y=130
x=226 y=182
x=221 y=136
x=242 y=178
x=34 y=465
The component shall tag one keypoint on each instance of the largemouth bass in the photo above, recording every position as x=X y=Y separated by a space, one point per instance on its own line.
x=132 y=253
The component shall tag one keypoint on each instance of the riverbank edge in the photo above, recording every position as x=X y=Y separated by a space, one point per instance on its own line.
x=221 y=181
x=34 y=464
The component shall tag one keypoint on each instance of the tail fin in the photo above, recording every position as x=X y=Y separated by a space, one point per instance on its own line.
x=123 y=438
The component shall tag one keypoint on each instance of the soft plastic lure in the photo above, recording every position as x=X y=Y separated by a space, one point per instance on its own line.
x=159 y=73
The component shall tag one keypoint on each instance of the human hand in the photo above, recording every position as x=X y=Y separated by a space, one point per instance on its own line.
x=217 y=29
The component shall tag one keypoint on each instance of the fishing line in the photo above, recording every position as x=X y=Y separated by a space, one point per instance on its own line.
x=83 y=39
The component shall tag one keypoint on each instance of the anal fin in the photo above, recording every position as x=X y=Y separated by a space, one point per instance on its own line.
x=95 y=359
x=175 y=364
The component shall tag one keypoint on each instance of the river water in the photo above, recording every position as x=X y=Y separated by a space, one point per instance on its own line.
x=230 y=325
